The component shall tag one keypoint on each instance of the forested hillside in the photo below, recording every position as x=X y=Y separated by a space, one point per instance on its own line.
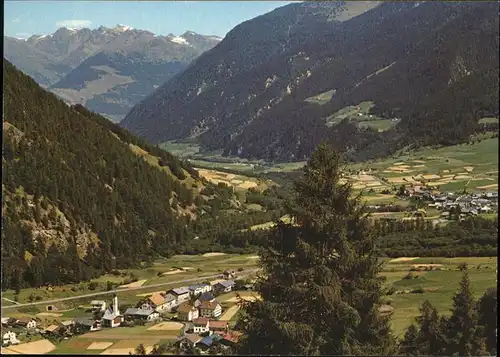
x=81 y=195
x=431 y=66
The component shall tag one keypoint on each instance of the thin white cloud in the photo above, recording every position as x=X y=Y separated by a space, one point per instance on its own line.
x=73 y=23
x=16 y=20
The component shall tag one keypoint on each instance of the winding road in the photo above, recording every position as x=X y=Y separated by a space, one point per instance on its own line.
x=117 y=291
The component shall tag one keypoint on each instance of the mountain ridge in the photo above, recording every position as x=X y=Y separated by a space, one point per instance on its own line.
x=58 y=61
x=251 y=101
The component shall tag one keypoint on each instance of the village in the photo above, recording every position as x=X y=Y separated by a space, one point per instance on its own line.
x=192 y=310
x=452 y=206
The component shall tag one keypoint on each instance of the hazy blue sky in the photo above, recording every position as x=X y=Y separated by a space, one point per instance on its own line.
x=26 y=18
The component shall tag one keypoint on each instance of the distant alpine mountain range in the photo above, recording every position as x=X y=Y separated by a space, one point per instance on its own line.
x=108 y=70
x=275 y=87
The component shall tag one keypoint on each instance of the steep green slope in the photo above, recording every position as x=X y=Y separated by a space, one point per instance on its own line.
x=82 y=196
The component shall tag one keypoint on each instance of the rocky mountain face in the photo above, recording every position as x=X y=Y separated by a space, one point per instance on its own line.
x=107 y=70
x=41 y=66
x=431 y=65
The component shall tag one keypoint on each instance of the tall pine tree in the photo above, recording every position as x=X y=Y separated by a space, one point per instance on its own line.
x=464 y=336
x=410 y=344
x=487 y=311
x=319 y=285
x=428 y=337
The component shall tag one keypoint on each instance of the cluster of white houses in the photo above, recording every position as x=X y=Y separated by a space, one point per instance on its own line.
x=10 y=337
x=195 y=303
x=178 y=299
x=149 y=308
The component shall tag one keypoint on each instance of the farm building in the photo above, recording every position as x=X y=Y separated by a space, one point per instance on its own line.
x=182 y=294
x=68 y=323
x=248 y=287
x=228 y=274
x=187 y=312
x=98 y=305
x=88 y=324
x=10 y=338
x=200 y=325
x=224 y=286
x=197 y=289
x=26 y=322
x=141 y=314
x=188 y=340
x=204 y=297
x=170 y=302
x=159 y=302
x=6 y=321
x=112 y=316
x=231 y=338
x=218 y=326
x=52 y=329
x=208 y=342
x=210 y=309
x=214 y=282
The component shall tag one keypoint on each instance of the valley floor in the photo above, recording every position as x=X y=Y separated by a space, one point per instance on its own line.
x=412 y=279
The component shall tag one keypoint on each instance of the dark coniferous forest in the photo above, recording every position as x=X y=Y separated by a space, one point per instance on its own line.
x=77 y=200
x=68 y=172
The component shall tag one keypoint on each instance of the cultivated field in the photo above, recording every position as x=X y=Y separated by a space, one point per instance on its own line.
x=167 y=326
x=233 y=298
x=438 y=278
x=453 y=168
x=135 y=284
x=121 y=340
x=239 y=182
x=99 y=345
x=360 y=115
x=448 y=169
x=189 y=267
x=31 y=348
x=229 y=313
x=433 y=279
